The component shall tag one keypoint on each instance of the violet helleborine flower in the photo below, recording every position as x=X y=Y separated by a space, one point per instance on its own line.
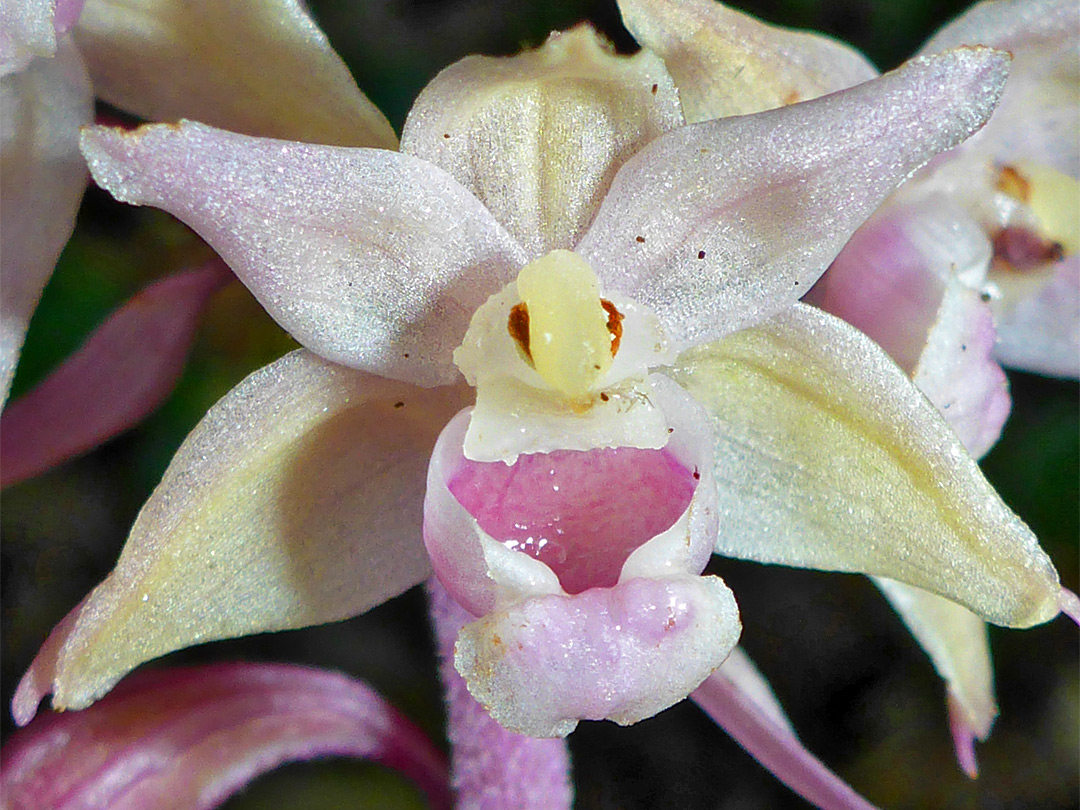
x=551 y=219
x=259 y=68
x=915 y=277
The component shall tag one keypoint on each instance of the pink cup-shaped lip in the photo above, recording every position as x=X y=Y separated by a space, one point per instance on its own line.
x=581 y=513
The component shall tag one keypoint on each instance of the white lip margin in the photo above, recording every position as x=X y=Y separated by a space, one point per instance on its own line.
x=686 y=546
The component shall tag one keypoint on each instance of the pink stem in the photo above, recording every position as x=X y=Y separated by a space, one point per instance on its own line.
x=492 y=768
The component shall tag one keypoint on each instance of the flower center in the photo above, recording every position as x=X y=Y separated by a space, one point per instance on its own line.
x=562 y=326
x=1051 y=198
x=581 y=513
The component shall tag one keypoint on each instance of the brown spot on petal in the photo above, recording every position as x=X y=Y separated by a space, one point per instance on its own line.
x=518 y=327
x=1020 y=250
x=614 y=324
x=793 y=97
x=1011 y=182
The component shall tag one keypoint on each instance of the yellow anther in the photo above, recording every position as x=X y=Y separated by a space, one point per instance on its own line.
x=1054 y=199
x=569 y=341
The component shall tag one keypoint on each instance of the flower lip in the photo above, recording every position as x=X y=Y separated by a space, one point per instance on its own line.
x=581 y=513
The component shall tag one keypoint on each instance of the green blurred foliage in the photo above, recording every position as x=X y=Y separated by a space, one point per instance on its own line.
x=857 y=687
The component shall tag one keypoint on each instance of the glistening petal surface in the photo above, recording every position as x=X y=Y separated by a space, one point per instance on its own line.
x=296 y=501
x=718 y=225
x=538 y=137
x=370 y=258
x=44 y=177
x=260 y=68
x=187 y=739
x=126 y=368
x=830 y=458
x=726 y=63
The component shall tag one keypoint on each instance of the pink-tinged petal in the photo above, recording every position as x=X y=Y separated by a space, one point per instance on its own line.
x=889 y=280
x=260 y=68
x=726 y=63
x=296 y=501
x=370 y=258
x=190 y=738
x=27 y=32
x=571 y=520
x=736 y=706
x=538 y=137
x=829 y=457
x=957 y=371
x=1039 y=113
x=718 y=225
x=44 y=177
x=964 y=736
x=1041 y=332
x=67 y=14
x=492 y=768
x=957 y=643
x=622 y=653
x=124 y=370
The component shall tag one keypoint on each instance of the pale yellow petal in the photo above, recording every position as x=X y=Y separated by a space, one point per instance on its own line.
x=957 y=643
x=828 y=457
x=259 y=68
x=726 y=63
x=296 y=501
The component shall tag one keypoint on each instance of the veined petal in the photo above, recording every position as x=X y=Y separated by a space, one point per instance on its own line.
x=123 y=372
x=828 y=457
x=718 y=225
x=726 y=63
x=260 y=68
x=193 y=737
x=296 y=501
x=957 y=643
x=1041 y=332
x=538 y=137
x=370 y=258
x=737 y=697
x=1039 y=112
x=44 y=177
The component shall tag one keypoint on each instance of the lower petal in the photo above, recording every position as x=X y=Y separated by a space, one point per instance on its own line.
x=622 y=653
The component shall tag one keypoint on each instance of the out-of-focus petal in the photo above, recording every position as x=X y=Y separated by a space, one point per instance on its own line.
x=538 y=137
x=370 y=258
x=189 y=738
x=492 y=768
x=1041 y=332
x=889 y=280
x=829 y=457
x=1040 y=111
x=957 y=643
x=41 y=110
x=622 y=653
x=26 y=33
x=726 y=63
x=733 y=698
x=958 y=373
x=296 y=501
x=718 y=225
x=259 y=68
x=122 y=373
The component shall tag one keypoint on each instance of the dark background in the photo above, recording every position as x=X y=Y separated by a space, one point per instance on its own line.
x=861 y=693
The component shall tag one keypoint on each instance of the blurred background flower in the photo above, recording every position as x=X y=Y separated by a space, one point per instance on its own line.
x=861 y=693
